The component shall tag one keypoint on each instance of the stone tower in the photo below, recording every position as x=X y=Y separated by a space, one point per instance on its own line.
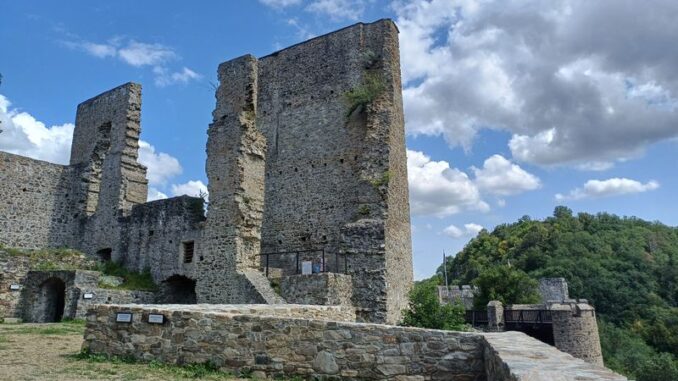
x=295 y=162
x=575 y=331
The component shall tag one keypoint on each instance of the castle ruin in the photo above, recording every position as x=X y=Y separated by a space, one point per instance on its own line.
x=293 y=167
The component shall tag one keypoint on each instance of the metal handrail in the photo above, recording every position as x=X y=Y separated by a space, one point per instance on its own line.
x=301 y=251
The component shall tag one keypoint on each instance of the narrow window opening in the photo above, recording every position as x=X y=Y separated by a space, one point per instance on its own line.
x=188 y=249
x=151 y=232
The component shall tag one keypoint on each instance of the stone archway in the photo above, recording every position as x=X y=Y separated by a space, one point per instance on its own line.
x=51 y=301
x=178 y=289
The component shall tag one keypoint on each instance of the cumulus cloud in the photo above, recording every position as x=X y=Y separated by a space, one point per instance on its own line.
x=610 y=187
x=468 y=230
x=501 y=177
x=161 y=166
x=191 y=188
x=139 y=54
x=155 y=194
x=24 y=135
x=582 y=83
x=164 y=78
x=436 y=189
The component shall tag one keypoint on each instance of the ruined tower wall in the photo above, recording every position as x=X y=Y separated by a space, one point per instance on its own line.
x=106 y=145
x=235 y=168
x=334 y=178
x=156 y=234
x=36 y=200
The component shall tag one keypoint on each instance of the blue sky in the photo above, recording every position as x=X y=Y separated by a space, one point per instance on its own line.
x=512 y=107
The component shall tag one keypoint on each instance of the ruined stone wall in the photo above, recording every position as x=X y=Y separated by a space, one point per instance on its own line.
x=36 y=203
x=325 y=289
x=156 y=234
x=106 y=145
x=553 y=290
x=235 y=169
x=334 y=178
x=13 y=271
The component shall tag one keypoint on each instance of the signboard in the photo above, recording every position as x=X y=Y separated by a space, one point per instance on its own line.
x=88 y=295
x=15 y=287
x=156 y=318
x=123 y=317
x=306 y=267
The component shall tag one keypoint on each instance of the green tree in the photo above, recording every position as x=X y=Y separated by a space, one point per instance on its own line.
x=426 y=311
x=507 y=285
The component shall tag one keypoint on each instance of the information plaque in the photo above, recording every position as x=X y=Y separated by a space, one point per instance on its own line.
x=88 y=295
x=15 y=287
x=156 y=318
x=123 y=317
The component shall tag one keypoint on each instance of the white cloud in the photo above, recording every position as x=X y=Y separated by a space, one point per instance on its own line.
x=191 y=188
x=338 y=9
x=24 y=135
x=161 y=166
x=164 y=78
x=610 y=187
x=141 y=54
x=501 y=177
x=279 y=3
x=556 y=75
x=436 y=189
x=155 y=194
x=468 y=230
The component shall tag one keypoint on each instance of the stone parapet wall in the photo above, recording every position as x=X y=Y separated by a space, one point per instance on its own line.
x=248 y=338
x=514 y=356
x=322 y=288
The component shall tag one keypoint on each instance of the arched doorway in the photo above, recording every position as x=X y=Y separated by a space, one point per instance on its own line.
x=51 y=301
x=178 y=289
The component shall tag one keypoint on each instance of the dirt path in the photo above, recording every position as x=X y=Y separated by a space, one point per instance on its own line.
x=45 y=352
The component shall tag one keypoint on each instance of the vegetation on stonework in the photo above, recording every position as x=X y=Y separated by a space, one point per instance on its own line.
x=626 y=267
x=383 y=180
x=52 y=259
x=426 y=311
x=132 y=280
x=362 y=95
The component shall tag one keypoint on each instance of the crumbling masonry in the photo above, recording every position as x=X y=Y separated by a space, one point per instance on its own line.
x=305 y=153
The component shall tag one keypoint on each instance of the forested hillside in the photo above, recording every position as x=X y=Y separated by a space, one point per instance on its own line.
x=626 y=267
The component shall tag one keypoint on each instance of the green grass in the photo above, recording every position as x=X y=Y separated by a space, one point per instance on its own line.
x=65 y=328
x=383 y=180
x=199 y=370
x=132 y=280
x=364 y=94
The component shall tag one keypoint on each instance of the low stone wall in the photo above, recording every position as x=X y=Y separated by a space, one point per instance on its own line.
x=514 y=356
x=262 y=339
x=323 y=288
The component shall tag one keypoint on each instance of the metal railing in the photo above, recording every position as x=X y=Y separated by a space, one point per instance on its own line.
x=476 y=317
x=305 y=253
x=527 y=316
